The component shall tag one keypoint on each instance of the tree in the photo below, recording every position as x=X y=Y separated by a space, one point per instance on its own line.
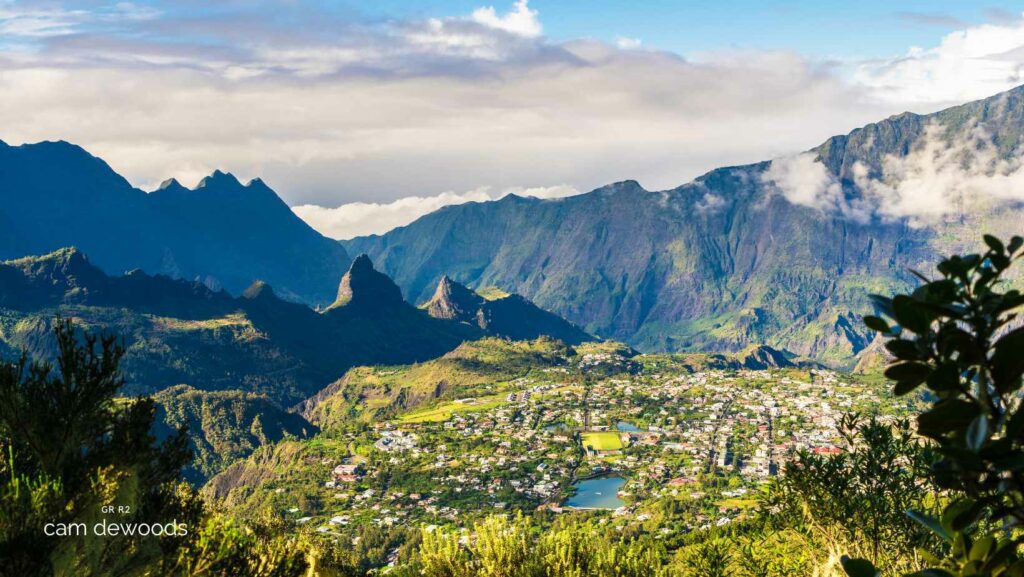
x=959 y=336
x=856 y=501
x=710 y=558
x=73 y=448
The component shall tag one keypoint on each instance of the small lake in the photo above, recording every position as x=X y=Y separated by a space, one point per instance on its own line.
x=598 y=493
x=627 y=427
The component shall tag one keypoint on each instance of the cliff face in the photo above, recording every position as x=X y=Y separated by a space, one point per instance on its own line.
x=656 y=270
x=724 y=261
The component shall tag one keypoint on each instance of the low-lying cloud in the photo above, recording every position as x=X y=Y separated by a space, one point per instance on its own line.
x=944 y=173
x=363 y=218
x=968 y=64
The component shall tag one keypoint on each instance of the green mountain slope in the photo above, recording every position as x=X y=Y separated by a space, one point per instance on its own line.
x=480 y=368
x=182 y=332
x=224 y=425
x=718 y=263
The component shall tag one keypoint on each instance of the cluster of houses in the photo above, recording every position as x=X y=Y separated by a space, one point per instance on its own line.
x=527 y=450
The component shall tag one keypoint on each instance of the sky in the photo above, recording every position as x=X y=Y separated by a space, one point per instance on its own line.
x=365 y=115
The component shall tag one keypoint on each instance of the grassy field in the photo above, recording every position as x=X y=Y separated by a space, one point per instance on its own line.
x=738 y=503
x=444 y=411
x=602 y=441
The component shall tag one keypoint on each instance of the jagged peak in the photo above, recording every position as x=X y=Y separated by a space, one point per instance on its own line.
x=453 y=300
x=171 y=185
x=363 y=285
x=68 y=254
x=68 y=266
x=218 y=177
x=361 y=263
x=258 y=290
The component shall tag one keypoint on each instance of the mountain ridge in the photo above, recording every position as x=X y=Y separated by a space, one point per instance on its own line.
x=720 y=262
x=183 y=332
x=223 y=233
x=506 y=315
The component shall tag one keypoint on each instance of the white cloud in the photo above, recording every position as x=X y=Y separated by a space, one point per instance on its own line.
x=587 y=115
x=803 y=179
x=943 y=175
x=45 y=22
x=38 y=23
x=521 y=20
x=331 y=112
x=967 y=64
x=710 y=203
x=626 y=43
x=363 y=218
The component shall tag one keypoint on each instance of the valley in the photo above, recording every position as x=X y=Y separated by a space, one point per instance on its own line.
x=695 y=448
x=621 y=378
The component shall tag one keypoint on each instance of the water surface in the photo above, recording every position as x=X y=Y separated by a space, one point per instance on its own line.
x=598 y=493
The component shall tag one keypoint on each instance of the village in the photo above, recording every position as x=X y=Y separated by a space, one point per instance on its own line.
x=703 y=441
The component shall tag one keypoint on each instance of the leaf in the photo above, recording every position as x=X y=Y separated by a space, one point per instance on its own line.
x=932 y=524
x=1015 y=243
x=910 y=314
x=1015 y=570
x=947 y=415
x=981 y=548
x=977 y=432
x=876 y=324
x=1008 y=361
x=965 y=514
x=858 y=567
x=945 y=377
x=907 y=376
x=993 y=243
x=903 y=350
x=883 y=304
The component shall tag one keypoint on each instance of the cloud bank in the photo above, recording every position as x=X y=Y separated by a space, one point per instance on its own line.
x=332 y=109
x=968 y=64
x=944 y=174
x=363 y=218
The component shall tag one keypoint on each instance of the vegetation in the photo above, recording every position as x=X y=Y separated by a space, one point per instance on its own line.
x=479 y=368
x=602 y=440
x=957 y=335
x=223 y=426
x=78 y=461
x=457 y=466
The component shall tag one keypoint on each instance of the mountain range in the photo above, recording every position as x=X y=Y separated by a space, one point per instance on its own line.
x=182 y=332
x=718 y=264
x=728 y=260
x=222 y=233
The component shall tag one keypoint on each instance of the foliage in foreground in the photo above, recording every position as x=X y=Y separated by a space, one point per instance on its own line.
x=959 y=336
x=72 y=449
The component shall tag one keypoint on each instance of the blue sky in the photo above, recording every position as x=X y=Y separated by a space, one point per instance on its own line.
x=364 y=115
x=866 y=28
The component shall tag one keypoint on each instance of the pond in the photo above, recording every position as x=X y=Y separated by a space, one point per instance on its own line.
x=598 y=493
x=627 y=427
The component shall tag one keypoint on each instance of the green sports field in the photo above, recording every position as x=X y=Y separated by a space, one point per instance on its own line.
x=602 y=441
